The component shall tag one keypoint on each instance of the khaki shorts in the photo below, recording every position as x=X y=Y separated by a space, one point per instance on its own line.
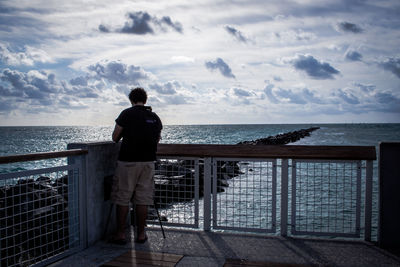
x=133 y=178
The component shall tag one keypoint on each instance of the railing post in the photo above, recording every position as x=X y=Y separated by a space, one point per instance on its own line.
x=284 y=196
x=389 y=197
x=79 y=184
x=368 y=200
x=207 y=194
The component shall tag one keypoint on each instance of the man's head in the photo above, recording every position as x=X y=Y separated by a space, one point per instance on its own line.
x=138 y=95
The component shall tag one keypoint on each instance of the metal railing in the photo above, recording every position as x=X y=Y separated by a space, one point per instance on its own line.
x=286 y=190
x=40 y=210
x=281 y=190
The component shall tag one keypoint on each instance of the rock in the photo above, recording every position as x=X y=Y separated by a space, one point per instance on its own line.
x=281 y=139
x=33 y=221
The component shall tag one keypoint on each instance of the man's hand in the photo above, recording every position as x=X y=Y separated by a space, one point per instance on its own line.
x=117 y=133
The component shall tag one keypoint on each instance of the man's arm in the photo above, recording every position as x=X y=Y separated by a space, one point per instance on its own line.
x=117 y=133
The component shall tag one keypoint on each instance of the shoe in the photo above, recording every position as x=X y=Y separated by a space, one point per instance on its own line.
x=141 y=241
x=117 y=241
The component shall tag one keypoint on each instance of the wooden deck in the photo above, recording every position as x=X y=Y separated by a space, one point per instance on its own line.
x=144 y=258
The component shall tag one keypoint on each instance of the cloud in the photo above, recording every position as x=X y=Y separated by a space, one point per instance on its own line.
x=84 y=91
x=314 y=68
x=241 y=92
x=103 y=28
x=39 y=88
x=220 y=65
x=182 y=59
x=348 y=96
x=387 y=102
x=236 y=33
x=268 y=91
x=139 y=23
x=392 y=64
x=27 y=57
x=295 y=36
x=31 y=85
x=143 y=23
x=167 y=21
x=70 y=102
x=82 y=81
x=175 y=100
x=6 y=106
x=290 y=96
x=349 y=27
x=301 y=97
x=118 y=72
x=366 y=88
x=168 y=88
x=353 y=55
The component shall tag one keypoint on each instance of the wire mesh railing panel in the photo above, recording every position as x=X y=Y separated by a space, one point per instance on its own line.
x=326 y=198
x=244 y=194
x=39 y=216
x=177 y=191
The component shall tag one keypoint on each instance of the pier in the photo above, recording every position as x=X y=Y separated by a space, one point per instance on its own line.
x=311 y=206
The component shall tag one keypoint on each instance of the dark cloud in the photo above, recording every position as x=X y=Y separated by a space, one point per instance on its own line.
x=8 y=91
x=43 y=92
x=392 y=64
x=349 y=27
x=302 y=97
x=353 y=55
x=220 y=65
x=349 y=100
x=314 y=68
x=367 y=88
x=348 y=96
x=34 y=84
x=118 y=72
x=175 y=25
x=241 y=92
x=168 y=88
x=82 y=81
x=236 y=33
x=311 y=97
x=83 y=91
x=6 y=106
x=139 y=23
x=387 y=102
x=268 y=91
x=103 y=28
x=143 y=23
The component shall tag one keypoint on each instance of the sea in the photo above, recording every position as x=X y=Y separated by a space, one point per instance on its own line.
x=31 y=139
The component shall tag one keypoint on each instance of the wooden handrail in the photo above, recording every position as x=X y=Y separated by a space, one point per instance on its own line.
x=229 y=151
x=269 y=151
x=41 y=156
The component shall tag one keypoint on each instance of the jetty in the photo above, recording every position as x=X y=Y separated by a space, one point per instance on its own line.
x=281 y=139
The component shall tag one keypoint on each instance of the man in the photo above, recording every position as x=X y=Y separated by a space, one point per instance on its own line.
x=140 y=130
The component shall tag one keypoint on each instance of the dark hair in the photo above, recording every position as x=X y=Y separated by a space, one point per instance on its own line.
x=138 y=95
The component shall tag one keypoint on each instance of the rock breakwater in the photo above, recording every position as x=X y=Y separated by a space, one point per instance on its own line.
x=281 y=139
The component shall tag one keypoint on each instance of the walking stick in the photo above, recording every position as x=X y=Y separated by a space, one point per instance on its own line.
x=159 y=218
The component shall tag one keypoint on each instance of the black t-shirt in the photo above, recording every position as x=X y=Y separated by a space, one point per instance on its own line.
x=140 y=134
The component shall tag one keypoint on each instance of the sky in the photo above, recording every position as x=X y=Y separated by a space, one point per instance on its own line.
x=201 y=61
